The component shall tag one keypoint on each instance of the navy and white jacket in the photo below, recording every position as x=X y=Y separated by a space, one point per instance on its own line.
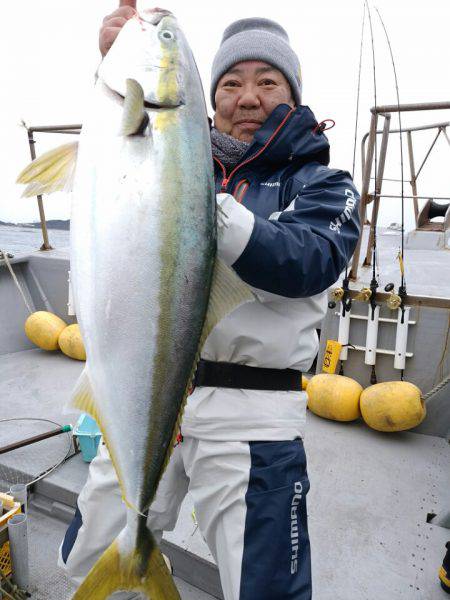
x=292 y=226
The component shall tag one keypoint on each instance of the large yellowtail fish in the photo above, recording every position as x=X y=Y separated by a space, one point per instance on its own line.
x=144 y=272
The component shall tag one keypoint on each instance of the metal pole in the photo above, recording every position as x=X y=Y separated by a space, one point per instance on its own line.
x=428 y=153
x=18 y=544
x=413 y=178
x=376 y=203
x=35 y=438
x=364 y=192
x=444 y=131
x=410 y=107
x=363 y=152
x=46 y=244
x=420 y=197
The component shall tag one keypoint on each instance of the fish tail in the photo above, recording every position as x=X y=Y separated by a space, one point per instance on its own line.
x=143 y=569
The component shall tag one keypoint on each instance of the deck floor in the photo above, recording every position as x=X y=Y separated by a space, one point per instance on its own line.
x=368 y=504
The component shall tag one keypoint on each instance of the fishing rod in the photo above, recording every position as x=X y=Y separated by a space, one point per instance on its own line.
x=397 y=301
x=342 y=294
x=369 y=294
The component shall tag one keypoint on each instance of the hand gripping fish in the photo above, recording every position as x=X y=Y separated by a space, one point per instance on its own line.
x=148 y=288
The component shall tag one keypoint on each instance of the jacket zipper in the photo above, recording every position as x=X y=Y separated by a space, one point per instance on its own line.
x=225 y=180
x=240 y=190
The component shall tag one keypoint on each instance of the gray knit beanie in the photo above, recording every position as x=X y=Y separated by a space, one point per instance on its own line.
x=257 y=39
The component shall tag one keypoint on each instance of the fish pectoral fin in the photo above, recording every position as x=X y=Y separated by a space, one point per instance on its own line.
x=146 y=573
x=228 y=291
x=83 y=397
x=51 y=172
x=134 y=117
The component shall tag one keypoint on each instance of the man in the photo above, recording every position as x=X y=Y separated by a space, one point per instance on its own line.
x=288 y=226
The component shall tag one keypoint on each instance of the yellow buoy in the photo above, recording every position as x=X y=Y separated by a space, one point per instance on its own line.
x=305 y=381
x=43 y=329
x=71 y=342
x=392 y=406
x=334 y=397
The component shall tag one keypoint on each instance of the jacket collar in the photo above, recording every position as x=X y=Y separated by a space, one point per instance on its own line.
x=297 y=140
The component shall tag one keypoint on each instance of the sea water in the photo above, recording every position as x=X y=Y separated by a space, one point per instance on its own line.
x=26 y=239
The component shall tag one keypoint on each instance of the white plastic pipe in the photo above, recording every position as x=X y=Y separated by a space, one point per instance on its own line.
x=18 y=545
x=372 y=335
x=70 y=307
x=19 y=492
x=343 y=335
x=401 y=338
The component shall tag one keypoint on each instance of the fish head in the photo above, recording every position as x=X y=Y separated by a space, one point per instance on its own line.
x=150 y=49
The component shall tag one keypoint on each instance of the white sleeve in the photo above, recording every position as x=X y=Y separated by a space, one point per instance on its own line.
x=235 y=226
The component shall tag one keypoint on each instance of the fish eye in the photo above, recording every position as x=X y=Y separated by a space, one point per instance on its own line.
x=166 y=35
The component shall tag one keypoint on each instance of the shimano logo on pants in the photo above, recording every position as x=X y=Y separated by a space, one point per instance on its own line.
x=296 y=499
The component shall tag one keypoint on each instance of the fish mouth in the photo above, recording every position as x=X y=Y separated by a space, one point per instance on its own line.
x=159 y=106
x=148 y=105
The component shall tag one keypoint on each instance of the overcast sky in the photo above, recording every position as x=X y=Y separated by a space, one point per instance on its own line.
x=49 y=51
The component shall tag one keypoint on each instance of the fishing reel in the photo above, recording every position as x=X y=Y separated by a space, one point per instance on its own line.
x=394 y=301
x=336 y=296
x=341 y=294
x=364 y=295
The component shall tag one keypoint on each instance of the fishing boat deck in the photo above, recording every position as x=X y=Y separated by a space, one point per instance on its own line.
x=368 y=505
x=427 y=267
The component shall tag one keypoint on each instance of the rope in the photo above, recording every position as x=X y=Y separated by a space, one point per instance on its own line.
x=4 y=256
x=438 y=387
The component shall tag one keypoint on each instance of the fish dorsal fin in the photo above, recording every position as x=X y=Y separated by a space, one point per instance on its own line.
x=51 y=172
x=134 y=117
x=228 y=291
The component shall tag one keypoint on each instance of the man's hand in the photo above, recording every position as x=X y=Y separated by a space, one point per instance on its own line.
x=114 y=22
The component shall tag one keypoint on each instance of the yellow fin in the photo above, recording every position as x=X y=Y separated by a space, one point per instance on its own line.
x=134 y=118
x=51 y=172
x=83 y=397
x=114 y=572
x=228 y=291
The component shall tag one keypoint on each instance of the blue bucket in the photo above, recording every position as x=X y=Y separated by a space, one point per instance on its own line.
x=88 y=434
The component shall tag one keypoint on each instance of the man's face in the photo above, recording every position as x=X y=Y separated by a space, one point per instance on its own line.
x=246 y=95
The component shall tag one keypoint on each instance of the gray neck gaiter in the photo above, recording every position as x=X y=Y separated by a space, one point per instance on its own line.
x=227 y=149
